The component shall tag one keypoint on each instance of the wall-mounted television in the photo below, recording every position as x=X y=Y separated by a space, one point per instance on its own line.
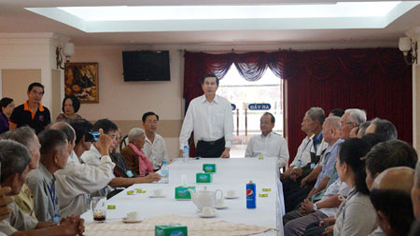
x=146 y=65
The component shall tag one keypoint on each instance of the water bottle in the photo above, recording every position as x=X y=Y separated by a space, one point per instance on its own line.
x=185 y=154
x=299 y=164
x=164 y=172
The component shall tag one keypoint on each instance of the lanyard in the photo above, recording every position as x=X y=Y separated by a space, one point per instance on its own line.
x=56 y=217
x=52 y=193
x=306 y=145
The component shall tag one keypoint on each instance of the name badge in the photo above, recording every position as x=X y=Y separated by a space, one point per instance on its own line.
x=129 y=173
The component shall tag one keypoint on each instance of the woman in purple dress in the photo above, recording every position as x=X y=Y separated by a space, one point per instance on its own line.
x=7 y=107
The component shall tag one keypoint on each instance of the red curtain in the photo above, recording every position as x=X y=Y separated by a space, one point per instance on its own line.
x=376 y=80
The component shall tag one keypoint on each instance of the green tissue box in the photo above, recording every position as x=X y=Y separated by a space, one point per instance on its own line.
x=209 y=168
x=203 y=177
x=181 y=193
x=171 y=230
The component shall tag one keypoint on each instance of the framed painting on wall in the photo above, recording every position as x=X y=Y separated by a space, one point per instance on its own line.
x=81 y=80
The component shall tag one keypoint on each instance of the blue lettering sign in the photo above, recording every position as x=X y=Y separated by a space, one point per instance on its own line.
x=259 y=106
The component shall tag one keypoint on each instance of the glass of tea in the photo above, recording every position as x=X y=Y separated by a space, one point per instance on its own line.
x=99 y=209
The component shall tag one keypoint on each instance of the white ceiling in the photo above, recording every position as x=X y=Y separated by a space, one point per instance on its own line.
x=15 y=19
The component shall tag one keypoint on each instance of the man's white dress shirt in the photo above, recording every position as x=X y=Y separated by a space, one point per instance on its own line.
x=156 y=151
x=209 y=121
x=76 y=181
x=73 y=158
x=92 y=156
x=272 y=145
x=304 y=152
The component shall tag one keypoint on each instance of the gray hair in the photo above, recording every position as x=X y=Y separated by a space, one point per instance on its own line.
x=24 y=135
x=385 y=128
x=134 y=134
x=66 y=128
x=363 y=127
x=316 y=113
x=333 y=122
x=14 y=158
x=356 y=115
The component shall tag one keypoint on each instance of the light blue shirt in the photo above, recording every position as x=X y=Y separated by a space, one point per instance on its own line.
x=329 y=163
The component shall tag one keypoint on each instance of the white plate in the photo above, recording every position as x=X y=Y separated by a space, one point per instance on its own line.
x=125 y=220
x=233 y=197
x=221 y=207
x=207 y=216
x=156 y=196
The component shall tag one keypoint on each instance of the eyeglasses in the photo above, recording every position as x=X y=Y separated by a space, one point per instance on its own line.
x=152 y=122
x=348 y=123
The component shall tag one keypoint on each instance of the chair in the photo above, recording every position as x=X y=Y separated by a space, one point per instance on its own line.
x=124 y=142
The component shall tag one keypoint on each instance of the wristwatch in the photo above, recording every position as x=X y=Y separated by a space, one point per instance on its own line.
x=315 y=207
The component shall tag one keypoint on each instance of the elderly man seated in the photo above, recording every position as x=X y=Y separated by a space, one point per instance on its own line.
x=390 y=196
x=15 y=159
x=268 y=144
x=54 y=154
x=76 y=181
x=26 y=136
x=384 y=128
x=133 y=154
x=93 y=157
x=415 y=198
x=309 y=152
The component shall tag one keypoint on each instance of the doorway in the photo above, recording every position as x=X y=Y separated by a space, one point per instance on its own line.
x=250 y=100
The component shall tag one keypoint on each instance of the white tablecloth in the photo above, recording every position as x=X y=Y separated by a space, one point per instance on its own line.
x=232 y=174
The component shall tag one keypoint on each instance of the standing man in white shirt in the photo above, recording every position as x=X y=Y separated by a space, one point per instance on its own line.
x=154 y=148
x=210 y=117
x=268 y=144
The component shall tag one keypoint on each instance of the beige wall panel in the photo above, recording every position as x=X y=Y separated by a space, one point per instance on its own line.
x=15 y=83
x=56 y=93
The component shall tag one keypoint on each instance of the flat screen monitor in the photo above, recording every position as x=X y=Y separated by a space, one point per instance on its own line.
x=146 y=66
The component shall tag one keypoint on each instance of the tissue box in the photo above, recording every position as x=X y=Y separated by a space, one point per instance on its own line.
x=181 y=192
x=203 y=177
x=209 y=168
x=171 y=230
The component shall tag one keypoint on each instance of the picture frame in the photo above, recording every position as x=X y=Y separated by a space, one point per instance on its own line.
x=81 y=79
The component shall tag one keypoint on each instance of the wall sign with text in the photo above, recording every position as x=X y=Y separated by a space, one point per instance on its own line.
x=259 y=106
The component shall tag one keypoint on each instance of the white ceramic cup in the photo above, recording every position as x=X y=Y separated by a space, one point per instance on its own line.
x=207 y=211
x=157 y=192
x=135 y=215
x=231 y=193
x=220 y=202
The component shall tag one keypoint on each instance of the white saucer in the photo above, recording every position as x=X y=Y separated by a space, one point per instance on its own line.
x=233 y=197
x=125 y=220
x=156 y=196
x=207 y=216
x=220 y=207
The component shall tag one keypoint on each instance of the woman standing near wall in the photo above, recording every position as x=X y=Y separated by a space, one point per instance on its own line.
x=71 y=105
x=7 y=107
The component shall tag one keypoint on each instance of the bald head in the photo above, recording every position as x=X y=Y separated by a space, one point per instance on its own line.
x=396 y=178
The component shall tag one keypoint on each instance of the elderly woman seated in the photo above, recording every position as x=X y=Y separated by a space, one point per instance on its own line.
x=133 y=154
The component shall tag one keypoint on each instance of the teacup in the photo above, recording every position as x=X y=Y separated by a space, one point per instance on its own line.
x=231 y=193
x=207 y=211
x=135 y=215
x=220 y=202
x=157 y=192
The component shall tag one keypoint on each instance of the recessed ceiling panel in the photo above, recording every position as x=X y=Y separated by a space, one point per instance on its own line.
x=340 y=15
